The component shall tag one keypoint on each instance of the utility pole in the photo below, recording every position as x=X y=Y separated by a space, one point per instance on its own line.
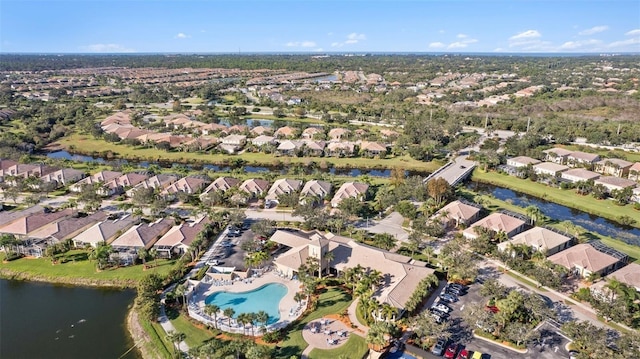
x=528 y=123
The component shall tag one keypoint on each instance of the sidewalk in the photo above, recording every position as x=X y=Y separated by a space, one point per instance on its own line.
x=168 y=327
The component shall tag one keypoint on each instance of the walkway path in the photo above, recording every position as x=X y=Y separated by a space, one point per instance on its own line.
x=392 y=224
x=351 y=311
x=168 y=327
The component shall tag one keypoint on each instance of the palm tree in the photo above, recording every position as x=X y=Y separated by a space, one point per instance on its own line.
x=263 y=317
x=175 y=338
x=142 y=254
x=329 y=257
x=153 y=253
x=229 y=312
x=181 y=290
x=534 y=213
x=429 y=253
x=252 y=318
x=212 y=309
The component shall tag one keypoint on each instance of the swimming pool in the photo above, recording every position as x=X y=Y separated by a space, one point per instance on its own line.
x=266 y=297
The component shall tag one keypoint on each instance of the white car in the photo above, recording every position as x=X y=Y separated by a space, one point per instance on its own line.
x=441 y=307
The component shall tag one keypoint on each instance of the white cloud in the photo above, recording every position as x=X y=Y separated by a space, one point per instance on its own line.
x=461 y=36
x=526 y=35
x=440 y=31
x=319 y=49
x=106 y=48
x=352 y=38
x=461 y=44
x=594 y=30
x=634 y=32
x=301 y=44
x=436 y=45
x=575 y=45
x=182 y=35
x=629 y=42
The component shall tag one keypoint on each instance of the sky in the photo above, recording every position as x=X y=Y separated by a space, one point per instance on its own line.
x=319 y=26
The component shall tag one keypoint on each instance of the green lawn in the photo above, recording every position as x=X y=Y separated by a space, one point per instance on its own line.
x=194 y=336
x=158 y=343
x=355 y=348
x=332 y=301
x=81 y=270
x=88 y=145
x=603 y=208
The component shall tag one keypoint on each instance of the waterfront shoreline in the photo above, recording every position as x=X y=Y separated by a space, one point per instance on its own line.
x=78 y=282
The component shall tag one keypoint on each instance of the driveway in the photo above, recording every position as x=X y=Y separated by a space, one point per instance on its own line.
x=391 y=224
x=273 y=215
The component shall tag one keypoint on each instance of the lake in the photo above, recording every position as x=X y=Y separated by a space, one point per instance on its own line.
x=40 y=320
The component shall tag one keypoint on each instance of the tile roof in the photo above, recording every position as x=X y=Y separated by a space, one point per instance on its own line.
x=143 y=235
x=105 y=230
x=584 y=256
x=538 y=237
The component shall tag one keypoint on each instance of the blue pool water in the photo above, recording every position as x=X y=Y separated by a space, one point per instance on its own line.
x=266 y=297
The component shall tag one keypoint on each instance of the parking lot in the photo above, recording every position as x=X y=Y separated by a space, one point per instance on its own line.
x=228 y=251
x=552 y=344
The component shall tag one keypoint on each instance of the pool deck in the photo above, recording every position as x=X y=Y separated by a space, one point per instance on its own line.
x=326 y=333
x=286 y=306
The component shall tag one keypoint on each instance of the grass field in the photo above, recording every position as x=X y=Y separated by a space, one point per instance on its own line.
x=194 y=335
x=355 y=347
x=81 y=270
x=602 y=208
x=88 y=145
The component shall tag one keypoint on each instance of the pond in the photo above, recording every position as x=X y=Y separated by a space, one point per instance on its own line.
x=51 y=321
x=350 y=172
x=559 y=212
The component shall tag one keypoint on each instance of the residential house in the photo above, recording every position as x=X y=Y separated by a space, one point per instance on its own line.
x=103 y=232
x=261 y=130
x=313 y=148
x=310 y=132
x=614 y=167
x=143 y=235
x=373 y=149
x=282 y=186
x=337 y=134
x=540 y=239
x=389 y=134
x=615 y=183
x=157 y=181
x=178 y=239
x=220 y=184
x=289 y=147
x=634 y=172
x=68 y=227
x=126 y=181
x=576 y=175
x=521 y=161
x=583 y=260
x=402 y=274
x=497 y=222
x=255 y=187
x=24 y=226
x=63 y=177
x=285 y=132
x=582 y=159
x=557 y=155
x=98 y=178
x=233 y=143
x=356 y=190
x=458 y=213
x=263 y=140
x=315 y=190
x=211 y=128
x=340 y=149
x=187 y=184
x=549 y=169
x=28 y=170
x=629 y=275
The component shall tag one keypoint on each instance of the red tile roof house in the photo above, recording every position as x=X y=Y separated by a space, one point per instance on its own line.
x=178 y=239
x=615 y=183
x=539 y=239
x=336 y=134
x=340 y=149
x=583 y=259
x=126 y=181
x=68 y=227
x=289 y=147
x=104 y=232
x=350 y=189
x=309 y=132
x=190 y=185
x=315 y=189
x=63 y=177
x=286 y=132
x=220 y=184
x=497 y=222
x=614 y=167
x=373 y=149
x=557 y=155
x=457 y=213
x=634 y=172
x=255 y=187
x=576 y=175
x=629 y=275
x=282 y=186
x=157 y=181
x=100 y=177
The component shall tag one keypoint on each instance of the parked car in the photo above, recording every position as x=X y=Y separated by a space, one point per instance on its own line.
x=234 y=231
x=438 y=317
x=449 y=298
x=438 y=312
x=227 y=244
x=451 y=351
x=477 y=355
x=442 y=307
x=464 y=354
x=457 y=286
x=438 y=348
x=573 y=354
x=454 y=291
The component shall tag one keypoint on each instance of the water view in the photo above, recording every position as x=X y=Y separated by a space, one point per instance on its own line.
x=48 y=321
x=562 y=213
